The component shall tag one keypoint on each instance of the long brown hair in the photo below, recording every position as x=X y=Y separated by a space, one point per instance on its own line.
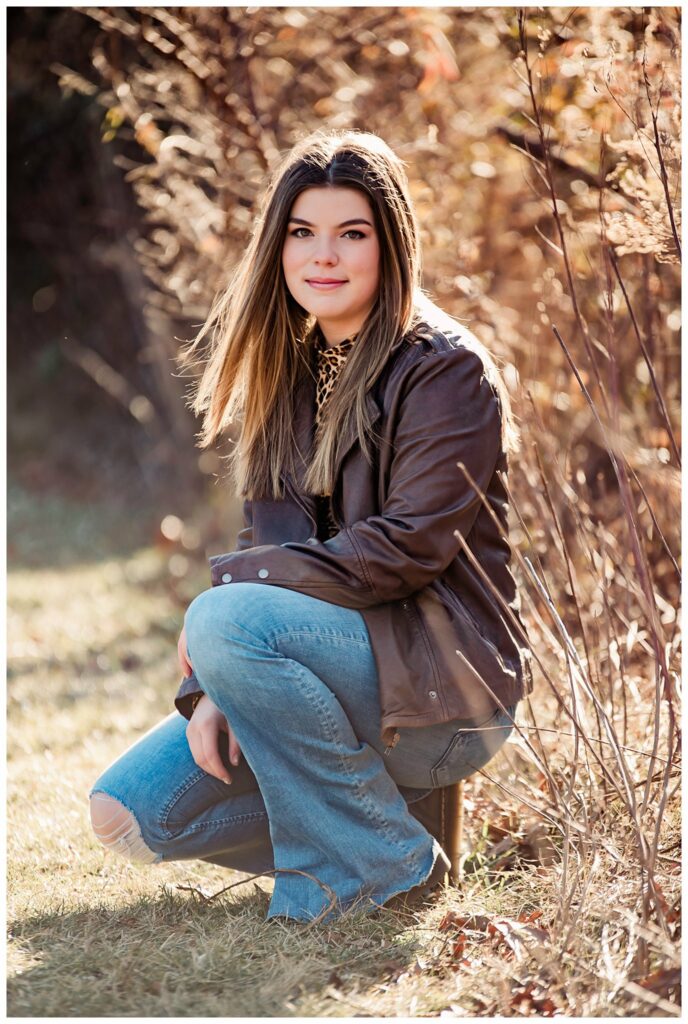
x=259 y=348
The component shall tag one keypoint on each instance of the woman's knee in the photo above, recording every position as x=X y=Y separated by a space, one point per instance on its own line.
x=229 y=614
x=118 y=830
x=205 y=617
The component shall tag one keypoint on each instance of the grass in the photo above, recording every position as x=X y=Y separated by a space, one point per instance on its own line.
x=92 y=660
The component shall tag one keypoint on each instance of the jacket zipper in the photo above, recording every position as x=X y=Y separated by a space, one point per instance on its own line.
x=333 y=514
x=395 y=740
x=468 y=617
x=414 y=613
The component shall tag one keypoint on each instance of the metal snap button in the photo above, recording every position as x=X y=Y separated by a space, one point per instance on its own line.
x=226 y=577
x=432 y=695
x=263 y=574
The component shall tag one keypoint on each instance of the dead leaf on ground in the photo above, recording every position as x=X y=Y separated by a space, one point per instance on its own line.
x=664 y=982
x=672 y=914
x=475 y=922
x=532 y=845
x=530 y=999
x=506 y=825
x=519 y=936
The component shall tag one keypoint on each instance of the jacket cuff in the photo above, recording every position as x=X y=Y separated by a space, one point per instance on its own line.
x=188 y=689
x=333 y=568
x=219 y=569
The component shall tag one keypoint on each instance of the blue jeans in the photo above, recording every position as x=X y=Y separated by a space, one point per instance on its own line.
x=314 y=790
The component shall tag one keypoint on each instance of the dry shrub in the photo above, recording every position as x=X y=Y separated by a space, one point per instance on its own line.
x=596 y=492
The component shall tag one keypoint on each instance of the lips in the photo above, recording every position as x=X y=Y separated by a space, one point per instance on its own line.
x=320 y=284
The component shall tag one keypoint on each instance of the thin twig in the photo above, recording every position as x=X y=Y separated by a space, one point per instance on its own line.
x=329 y=892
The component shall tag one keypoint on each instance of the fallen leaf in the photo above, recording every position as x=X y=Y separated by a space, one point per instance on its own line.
x=671 y=914
x=476 y=922
x=530 y=998
x=506 y=825
x=391 y=967
x=666 y=981
x=534 y=915
x=517 y=935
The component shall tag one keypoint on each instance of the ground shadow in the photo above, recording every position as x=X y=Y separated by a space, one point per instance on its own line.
x=165 y=956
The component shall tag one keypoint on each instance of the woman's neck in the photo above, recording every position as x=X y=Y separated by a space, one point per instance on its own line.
x=334 y=338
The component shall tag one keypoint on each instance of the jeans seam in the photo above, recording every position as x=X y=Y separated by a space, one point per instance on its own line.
x=296 y=633
x=455 y=741
x=377 y=821
x=163 y=817
x=235 y=819
x=270 y=638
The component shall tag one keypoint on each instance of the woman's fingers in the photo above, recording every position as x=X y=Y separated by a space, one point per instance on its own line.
x=234 y=749
x=212 y=762
x=202 y=737
x=203 y=732
x=183 y=654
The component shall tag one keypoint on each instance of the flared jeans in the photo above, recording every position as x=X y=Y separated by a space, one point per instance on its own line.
x=315 y=791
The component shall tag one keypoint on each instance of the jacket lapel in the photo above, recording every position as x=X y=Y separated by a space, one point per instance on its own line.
x=374 y=412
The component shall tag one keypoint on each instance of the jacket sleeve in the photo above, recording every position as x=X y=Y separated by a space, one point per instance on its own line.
x=448 y=413
x=190 y=686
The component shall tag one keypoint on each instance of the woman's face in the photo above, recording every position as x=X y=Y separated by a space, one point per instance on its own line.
x=331 y=258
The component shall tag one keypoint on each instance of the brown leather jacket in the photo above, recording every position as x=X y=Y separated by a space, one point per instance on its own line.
x=443 y=645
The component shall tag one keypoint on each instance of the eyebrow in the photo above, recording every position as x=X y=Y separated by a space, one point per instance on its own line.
x=356 y=220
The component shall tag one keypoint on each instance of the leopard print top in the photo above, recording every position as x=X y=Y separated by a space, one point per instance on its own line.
x=329 y=363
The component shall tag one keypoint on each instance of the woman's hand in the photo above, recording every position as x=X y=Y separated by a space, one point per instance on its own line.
x=205 y=726
x=185 y=664
x=203 y=731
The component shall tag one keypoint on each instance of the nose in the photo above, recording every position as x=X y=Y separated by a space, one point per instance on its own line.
x=325 y=253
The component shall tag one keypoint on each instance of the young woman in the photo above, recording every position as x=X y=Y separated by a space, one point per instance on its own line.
x=361 y=646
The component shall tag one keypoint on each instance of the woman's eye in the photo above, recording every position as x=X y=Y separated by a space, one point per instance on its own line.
x=352 y=231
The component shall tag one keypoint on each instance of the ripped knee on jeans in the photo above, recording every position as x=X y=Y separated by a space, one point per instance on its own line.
x=118 y=830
